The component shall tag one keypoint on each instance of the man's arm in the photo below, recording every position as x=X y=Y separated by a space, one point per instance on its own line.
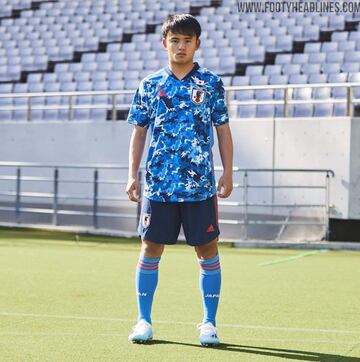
x=136 y=149
x=225 y=184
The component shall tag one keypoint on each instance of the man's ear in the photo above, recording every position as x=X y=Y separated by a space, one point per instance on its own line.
x=198 y=42
x=164 y=43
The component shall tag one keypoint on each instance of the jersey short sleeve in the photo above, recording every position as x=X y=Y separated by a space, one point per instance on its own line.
x=219 y=113
x=138 y=114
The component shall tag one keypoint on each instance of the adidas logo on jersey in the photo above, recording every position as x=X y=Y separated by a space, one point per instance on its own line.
x=212 y=296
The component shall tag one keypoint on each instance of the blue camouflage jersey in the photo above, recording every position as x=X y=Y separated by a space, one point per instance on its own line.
x=179 y=115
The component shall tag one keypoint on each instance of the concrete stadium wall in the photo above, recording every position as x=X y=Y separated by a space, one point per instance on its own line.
x=280 y=143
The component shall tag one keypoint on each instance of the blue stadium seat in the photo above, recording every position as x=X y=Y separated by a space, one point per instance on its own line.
x=300 y=58
x=312 y=48
x=298 y=78
x=272 y=69
x=317 y=78
x=328 y=68
x=322 y=93
x=4 y=102
x=240 y=80
x=247 y=111
x=350 y=67
x=334 y=57
x=317 y=58
x=303 y=110
x=323 y=110
x=265 y=110
x=288 y=69
x=254 y=70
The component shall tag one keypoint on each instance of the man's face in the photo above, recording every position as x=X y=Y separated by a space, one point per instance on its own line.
x=181 y=48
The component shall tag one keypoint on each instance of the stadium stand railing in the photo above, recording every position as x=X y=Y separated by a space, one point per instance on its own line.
x=265 y=101
x=93 y=202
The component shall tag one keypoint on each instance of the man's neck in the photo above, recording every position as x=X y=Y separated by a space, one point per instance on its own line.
x=181 y=70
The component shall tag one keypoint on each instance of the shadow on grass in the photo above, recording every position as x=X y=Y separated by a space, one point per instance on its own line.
x=290 y=354
x=13 y=233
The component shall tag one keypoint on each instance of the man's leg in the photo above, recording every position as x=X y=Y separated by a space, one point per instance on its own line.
x=160 y=222
x=210 y=279
x=147 y=277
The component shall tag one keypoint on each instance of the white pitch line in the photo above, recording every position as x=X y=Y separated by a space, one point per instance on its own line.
x=241 y=326
x=81 y=334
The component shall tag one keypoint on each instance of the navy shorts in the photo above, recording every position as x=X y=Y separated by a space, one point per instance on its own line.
x=160 y=222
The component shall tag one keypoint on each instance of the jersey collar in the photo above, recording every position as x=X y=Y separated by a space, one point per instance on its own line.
x=193 y=70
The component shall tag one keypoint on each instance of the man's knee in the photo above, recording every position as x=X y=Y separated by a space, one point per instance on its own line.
x=151 y=249
x=207 y=251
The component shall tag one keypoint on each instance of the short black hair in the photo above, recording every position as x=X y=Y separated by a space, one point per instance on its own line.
x=181 y=24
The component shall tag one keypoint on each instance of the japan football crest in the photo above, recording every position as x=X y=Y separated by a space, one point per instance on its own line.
x=146 y=220
x=197 y=95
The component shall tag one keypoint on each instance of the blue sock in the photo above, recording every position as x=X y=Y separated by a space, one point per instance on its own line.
x=210 y=283
x=146 y=282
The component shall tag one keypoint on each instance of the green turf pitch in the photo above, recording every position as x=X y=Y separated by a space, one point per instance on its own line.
x=68 y=300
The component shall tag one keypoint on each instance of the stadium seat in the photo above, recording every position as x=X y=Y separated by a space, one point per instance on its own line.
x=264 y=94
x=5 y=88
x=265 y=110
x=288 y=69
x=347 y=45
x=334 y=57
x=350 y=67
x=240 y=80
x=247 y=111
x=329 y=47
x=328 y=68
x=312 y=47
x=272 y=69
x=338 y=92
x=298 y=78
x=323 y=110
x=284 y=43
x=339 y=36
x=300 y=58
x=311 y=68
x=317 y=58
x=302 y=93
x=254 y=70
x=256 y=54
x=317 y=78
x=303 y=110
x=283 y=59
x=339 y=109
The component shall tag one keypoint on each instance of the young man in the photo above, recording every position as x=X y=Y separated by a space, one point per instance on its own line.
x=179 y=105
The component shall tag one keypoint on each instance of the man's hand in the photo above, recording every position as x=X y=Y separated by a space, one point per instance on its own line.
x=225 y=186
x=132 y=189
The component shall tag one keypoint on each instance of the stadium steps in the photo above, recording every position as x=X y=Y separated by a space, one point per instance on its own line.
x=35 y=5
x=297 y=47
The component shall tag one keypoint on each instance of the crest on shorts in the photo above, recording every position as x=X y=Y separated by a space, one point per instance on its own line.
x=197 y=95
x=146 y=220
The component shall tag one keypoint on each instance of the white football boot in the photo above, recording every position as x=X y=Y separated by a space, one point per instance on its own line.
x=142 y=332
x=208 y=335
